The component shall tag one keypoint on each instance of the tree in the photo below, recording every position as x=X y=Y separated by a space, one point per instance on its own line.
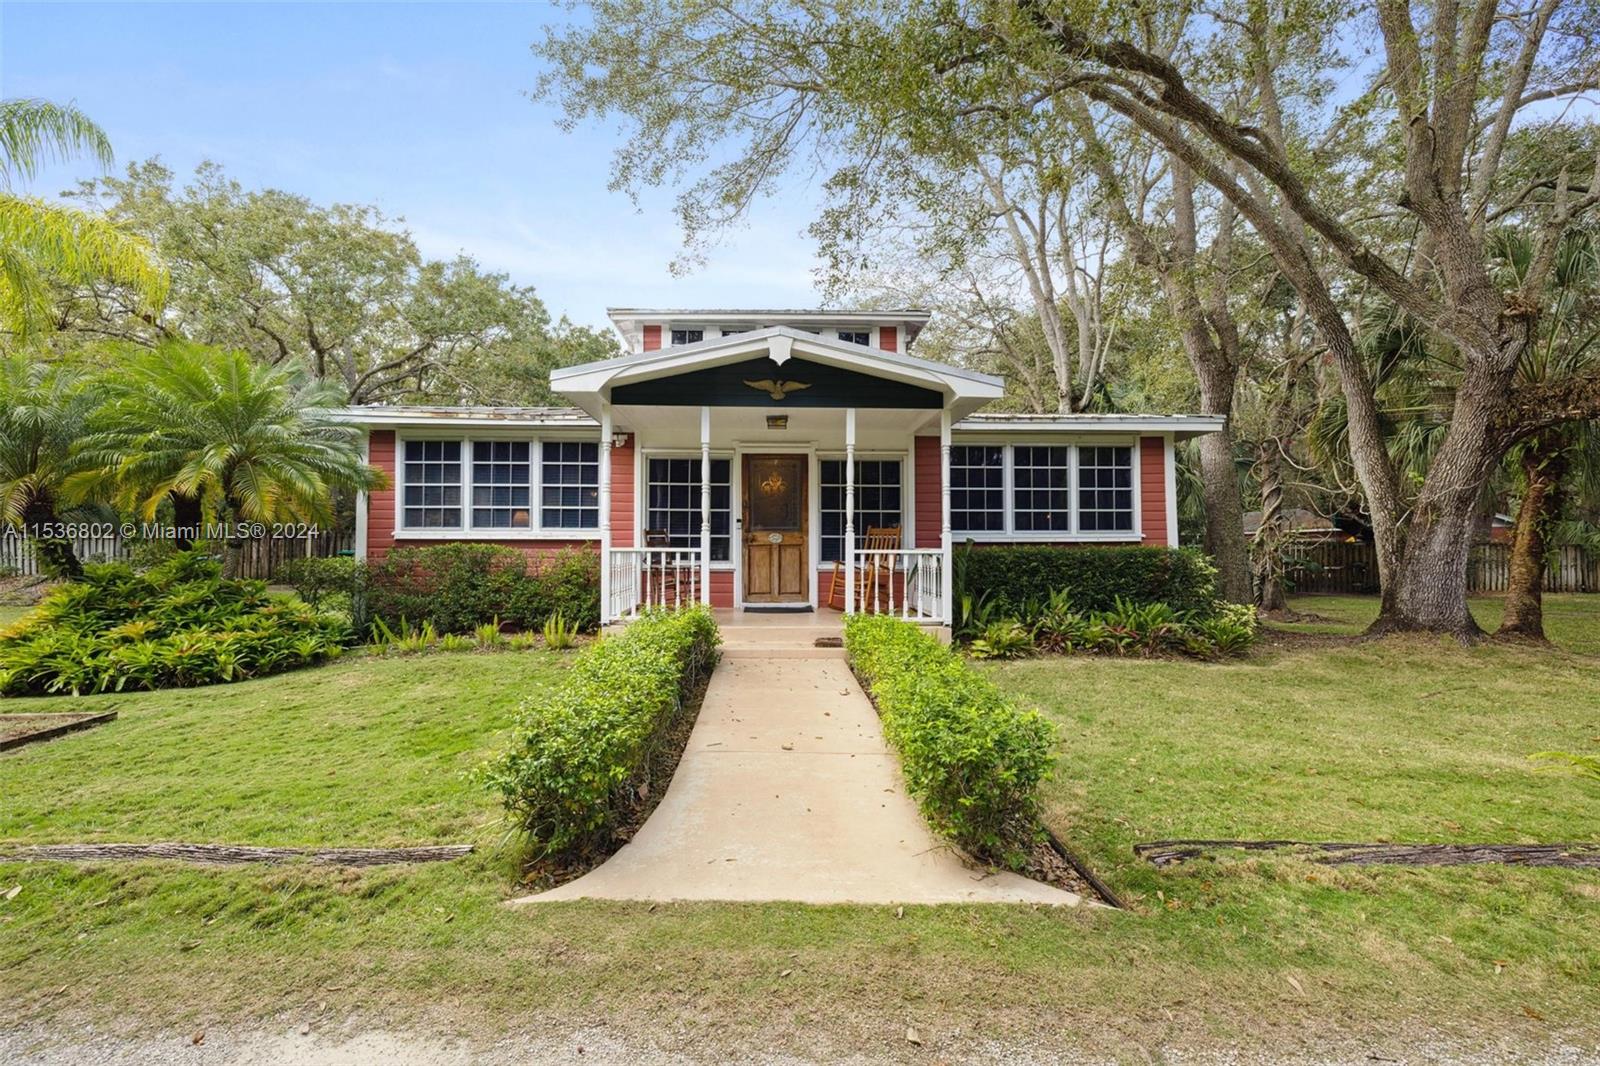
x=258 y=443
x=42 y=244
x=44 y=409
x=340 y=290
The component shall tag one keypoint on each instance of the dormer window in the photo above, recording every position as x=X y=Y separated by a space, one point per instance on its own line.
x=687 y=336
x=854 y=337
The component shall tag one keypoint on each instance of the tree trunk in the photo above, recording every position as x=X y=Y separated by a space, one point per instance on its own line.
x=1220 y=481
x=1543 y=466
x=1271 y=596
x=187 y=516
x=55 y=555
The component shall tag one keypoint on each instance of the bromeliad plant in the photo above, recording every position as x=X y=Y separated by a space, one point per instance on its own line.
x=178 y=624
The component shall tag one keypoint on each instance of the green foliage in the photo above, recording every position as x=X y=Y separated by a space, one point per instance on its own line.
x=581 y=749
x=1581 y=765
x=1009 y=576
x=972 y=759
x=317 y=579
x=1005 y=639
x=489 y=634
x=459 y=587
x=177 y=624
x=403 y=638
x=559 y=634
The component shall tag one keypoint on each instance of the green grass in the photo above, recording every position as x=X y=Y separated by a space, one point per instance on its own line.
x=11 y=614
x=1571 y=621
x=1413 y=739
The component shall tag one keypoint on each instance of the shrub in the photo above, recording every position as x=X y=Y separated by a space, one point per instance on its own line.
x=559 y=634
x=1009 y=577
x=1005 y=639
x=177 y=624
x=459 y=587
x=316 y=580
x=580 y=751
x=972 y=759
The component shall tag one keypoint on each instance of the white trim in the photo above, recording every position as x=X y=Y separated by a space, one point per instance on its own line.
x=605 y=512
x=363 y=501
x=1074 y=533
x=1169 y=459
x=641 y=489
x=1011 y=426
x=465 y=530
x=736 y=514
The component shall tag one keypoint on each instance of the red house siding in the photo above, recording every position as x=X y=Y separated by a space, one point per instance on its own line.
x=652 y=338
x=888 y=338
x=622 y=495
x=380 y=503
x=928 y=503
x=1153 y=489
x=722 y=588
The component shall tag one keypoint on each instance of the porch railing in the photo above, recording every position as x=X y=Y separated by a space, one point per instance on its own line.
x=651 y=577
x=906 y=582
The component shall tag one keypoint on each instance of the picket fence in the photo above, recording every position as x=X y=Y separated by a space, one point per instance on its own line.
x=262 y=559
x=1353 y=568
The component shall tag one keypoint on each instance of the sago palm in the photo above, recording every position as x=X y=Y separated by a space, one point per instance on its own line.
x=43 y=243
x=44 y=409
x=193 y=422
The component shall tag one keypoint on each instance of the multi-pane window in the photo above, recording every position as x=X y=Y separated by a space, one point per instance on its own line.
x=1041 y=490
x=1105 y=489
x=978 y=488
x=688 y=336
x=734 y=332
x=570 y=485
x=673 y=504
x=879 y=501
x=854 y=337
x=432 y=484
x=500 y=484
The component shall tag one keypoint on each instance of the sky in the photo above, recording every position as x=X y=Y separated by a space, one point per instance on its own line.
x=418 y=108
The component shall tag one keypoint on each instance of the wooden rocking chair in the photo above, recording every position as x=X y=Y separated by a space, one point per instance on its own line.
x=875 y=574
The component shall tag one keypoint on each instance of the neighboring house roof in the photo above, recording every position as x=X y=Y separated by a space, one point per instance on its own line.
x=1296 y=520
x=404 y=414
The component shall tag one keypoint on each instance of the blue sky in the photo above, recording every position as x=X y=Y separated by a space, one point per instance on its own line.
x=418 y=108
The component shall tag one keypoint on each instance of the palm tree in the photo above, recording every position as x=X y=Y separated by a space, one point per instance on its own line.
x=42 y=242
x=44 y=409
x=195 y=423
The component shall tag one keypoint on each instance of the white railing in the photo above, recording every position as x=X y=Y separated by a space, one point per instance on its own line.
x=651 y=577
x=906 y=582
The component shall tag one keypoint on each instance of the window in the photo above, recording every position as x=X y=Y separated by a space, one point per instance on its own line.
x=734 y=332
x=978 y=488
x=852 y=337
x=879 y=501
x=673 y=503
x=1041 y=496
x=432 y=484
x=688 y=336
x=500 y=484
x=1105 y=489
x=570 y=476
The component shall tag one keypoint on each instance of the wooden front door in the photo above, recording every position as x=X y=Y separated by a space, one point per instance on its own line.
x=775 y=567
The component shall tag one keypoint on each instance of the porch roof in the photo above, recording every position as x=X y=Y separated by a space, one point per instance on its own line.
x=589 y=384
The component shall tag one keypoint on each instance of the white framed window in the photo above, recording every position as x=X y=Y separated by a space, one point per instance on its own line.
x=672 y=503
x=978 y=488
x=1041 y=488
x=687 y=336
x=880 y=501
x=1105 y=489
x=569 y=478
x=432 y=484
x=502 y=484
x=855 y=336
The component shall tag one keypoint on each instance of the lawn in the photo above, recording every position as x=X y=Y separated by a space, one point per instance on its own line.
x=1413 y=739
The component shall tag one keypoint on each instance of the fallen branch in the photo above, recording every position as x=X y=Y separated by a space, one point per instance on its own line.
x=232 y=854
x=1576 y=856
x=65 y=723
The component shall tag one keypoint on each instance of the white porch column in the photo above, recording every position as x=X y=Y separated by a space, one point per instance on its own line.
x=947 y=571
x=605 y=512
x=705 y=505
x=849 y=546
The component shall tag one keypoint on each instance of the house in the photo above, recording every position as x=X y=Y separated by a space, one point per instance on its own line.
x=731 y=456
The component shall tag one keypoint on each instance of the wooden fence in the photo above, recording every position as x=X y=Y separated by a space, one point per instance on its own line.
x=262 y=559
x=1353 y=568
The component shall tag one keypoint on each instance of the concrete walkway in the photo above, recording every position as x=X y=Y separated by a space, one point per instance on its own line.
x=787 y=792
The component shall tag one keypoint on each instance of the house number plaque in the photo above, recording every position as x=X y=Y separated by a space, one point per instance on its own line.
x=774 y=538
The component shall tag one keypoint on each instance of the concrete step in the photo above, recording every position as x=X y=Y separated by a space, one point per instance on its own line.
x=778 y=651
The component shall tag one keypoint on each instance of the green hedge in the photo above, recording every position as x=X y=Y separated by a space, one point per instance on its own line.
x=972 y=759
x=1095 y=577
x=459 y=587
x=580 y=750
x=177 y=624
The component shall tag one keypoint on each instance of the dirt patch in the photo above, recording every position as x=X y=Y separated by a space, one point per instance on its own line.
x=19 y=729
x=25 y=591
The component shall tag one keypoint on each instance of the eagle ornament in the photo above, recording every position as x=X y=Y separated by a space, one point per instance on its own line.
x=777 y=389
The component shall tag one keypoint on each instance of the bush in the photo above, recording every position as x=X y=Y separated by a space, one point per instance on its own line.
x=318 y=579
x=972 y=759
x=177 y=624
x=1015 y=579
x=579 y=752
x=459 y=587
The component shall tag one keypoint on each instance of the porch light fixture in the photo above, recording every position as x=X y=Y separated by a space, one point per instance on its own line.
x=619 y=439
x=777 y=421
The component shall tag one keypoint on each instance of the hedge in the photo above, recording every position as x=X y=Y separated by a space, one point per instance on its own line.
x=579 y=752
x=459 y=587
x=971 y=758
x=1095 y=577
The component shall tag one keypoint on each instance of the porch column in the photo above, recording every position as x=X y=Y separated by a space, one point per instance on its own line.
x=849 y=547
x=605 y=512
x=946 y=571
x=705 y=505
